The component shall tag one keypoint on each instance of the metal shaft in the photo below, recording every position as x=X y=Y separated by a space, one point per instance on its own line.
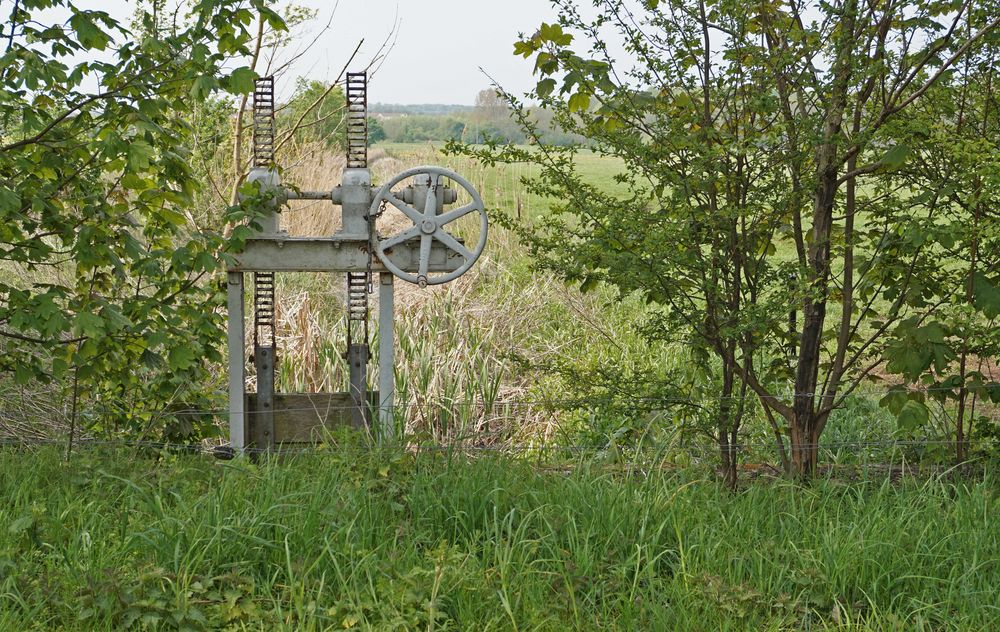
x=237 y=360
x=386 y=352
x=357 y=120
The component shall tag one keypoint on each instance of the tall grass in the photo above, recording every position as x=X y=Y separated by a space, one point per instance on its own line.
x=356 y=540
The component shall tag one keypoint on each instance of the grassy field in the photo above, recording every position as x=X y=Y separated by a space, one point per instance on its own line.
x=350 y=539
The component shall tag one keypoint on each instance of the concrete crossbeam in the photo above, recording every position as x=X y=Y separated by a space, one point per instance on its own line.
x=335 y=254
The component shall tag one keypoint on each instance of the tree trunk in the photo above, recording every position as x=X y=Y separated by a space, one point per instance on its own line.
x=804 y=448
x=806 y=422
x=730 y=460
x=726 y=426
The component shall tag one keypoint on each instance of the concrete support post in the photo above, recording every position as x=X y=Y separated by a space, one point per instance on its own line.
x=263 y=415
x=386 y=364
x=237 y=364
x=357 y=360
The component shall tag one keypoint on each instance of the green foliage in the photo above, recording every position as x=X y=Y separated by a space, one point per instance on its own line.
x=955 y=180
x=317 y=112
x=108 y=283
x=987 y=295
x=419 y=128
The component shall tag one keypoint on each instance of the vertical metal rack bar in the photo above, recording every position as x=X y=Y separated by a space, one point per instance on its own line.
x=358 y=283
x=265 y=334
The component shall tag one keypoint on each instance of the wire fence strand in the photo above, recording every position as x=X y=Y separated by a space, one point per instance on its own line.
x=476 y=435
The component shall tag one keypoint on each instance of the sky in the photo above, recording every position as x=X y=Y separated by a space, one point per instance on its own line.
x=441 y=47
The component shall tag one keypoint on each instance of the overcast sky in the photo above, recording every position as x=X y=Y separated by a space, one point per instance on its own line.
x=440 y=45
x=439 y=49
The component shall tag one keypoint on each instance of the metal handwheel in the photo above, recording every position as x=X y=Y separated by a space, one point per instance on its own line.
x=429 y=225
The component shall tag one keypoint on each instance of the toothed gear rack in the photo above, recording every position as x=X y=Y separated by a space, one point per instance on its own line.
x=424 y=253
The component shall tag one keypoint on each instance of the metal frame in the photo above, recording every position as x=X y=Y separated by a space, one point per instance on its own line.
x=253 y=418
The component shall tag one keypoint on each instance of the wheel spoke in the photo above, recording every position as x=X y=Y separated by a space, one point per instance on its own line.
x=399 y=238
x=451 y=216
x=454 y=244
x=431 y=201
x=407 y=210
x=425 y=254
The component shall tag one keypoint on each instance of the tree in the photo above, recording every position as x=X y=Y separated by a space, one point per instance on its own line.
x=106 y=275
x=763 y=162
x=490 y=107
x=317 y=112
x=376 y=133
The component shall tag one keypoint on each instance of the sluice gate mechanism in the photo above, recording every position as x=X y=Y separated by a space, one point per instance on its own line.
x=422 y=252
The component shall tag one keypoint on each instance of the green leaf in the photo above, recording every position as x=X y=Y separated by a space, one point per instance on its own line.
x=943 y=356
x=88 y=324
x=9 y=201
x=912 y=415
x=579 y=102
x=908 y=361
x=987 y=295
x=23 y=374
x=202 y=87
x=114 y=319
x=140 y=153
x=931 y=332
x=613 y=124
x=545 y=87
x=554 y=33
x=895 y=399
x=993 y=388
x=241 y=80
x=895 y=157
x=89 y=34
x=525 y=48
x=21 y=525
x=180 y=358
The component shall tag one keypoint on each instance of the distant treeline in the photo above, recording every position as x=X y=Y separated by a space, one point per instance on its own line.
x=319 y=109
x=468 y=128
x=489 y=118
x=429 y=109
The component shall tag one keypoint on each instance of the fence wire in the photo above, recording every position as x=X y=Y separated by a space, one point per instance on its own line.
x=548 y=403
x=472 y=435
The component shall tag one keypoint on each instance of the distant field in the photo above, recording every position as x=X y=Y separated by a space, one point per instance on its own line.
x=347 y=540
x=599 y=170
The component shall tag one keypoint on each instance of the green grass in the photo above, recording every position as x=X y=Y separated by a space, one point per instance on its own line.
x=351 y=539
